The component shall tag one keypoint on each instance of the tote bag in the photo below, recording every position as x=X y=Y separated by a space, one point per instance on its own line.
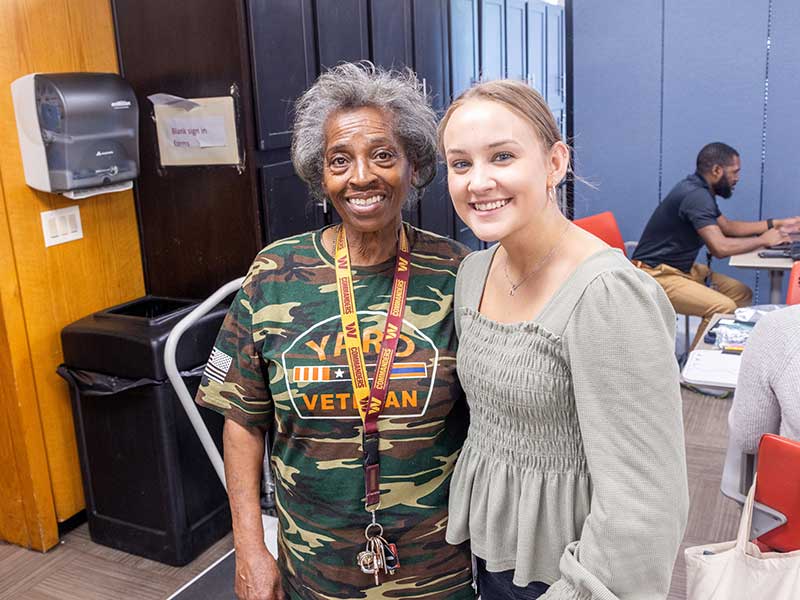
x=739 y=570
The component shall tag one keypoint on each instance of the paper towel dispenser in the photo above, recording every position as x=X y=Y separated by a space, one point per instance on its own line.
x=77 y=132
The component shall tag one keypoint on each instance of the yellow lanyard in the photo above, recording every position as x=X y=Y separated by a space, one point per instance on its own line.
x=370 y=401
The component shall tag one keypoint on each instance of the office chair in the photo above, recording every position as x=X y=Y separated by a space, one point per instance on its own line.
x=793 y=293
x=604 y=226
x=776 y=513
x=779 y=488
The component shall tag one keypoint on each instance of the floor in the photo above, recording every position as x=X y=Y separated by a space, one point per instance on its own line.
x=78 y=569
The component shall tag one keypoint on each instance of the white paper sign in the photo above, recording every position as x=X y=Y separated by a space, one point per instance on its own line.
x=197 y=132
x=204 y=135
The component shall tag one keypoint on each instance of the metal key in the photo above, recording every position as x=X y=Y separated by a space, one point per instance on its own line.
x=366 y=562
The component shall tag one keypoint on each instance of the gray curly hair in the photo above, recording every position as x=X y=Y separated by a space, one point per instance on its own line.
x=356 y=85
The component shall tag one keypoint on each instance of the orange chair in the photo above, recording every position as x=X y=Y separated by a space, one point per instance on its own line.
x=776 y=513
x=793 y=294
x=604 y=226
x=779 y=487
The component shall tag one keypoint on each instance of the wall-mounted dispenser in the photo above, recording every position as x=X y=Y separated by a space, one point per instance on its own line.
x=78 y=132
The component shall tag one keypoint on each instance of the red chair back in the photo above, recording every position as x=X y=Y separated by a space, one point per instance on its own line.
x=604 y=226
x=779 y=487
x=793 y=294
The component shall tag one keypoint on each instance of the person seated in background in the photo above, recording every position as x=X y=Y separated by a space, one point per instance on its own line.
x=767 y=398
x=689 y=217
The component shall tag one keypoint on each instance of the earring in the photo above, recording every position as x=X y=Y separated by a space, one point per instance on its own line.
x=551 y=193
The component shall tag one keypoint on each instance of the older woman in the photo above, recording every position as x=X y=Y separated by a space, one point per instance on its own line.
x=341 y=342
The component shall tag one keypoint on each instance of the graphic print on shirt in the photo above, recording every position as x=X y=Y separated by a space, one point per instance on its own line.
x=318 y=379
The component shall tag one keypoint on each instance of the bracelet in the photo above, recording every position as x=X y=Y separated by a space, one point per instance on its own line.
x=770 y=224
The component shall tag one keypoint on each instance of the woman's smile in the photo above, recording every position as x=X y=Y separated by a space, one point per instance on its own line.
x=365 y=205
x=489 y=206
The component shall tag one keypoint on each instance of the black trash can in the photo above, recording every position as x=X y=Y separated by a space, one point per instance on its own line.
x=150 y=488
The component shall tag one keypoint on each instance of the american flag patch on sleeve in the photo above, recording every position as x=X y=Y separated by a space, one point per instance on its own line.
x=218 y=365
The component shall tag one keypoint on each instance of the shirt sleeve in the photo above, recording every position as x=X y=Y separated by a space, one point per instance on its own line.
x=755 y=409
x=700 y=209
x=234 y=381
x=620 y=343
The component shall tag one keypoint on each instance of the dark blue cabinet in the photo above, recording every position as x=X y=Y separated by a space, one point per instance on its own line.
x=537 y=45
x=493 y=39
x=556 y=65
x=431 y=51
x=431 y=61
x=342 y=32
x=465 y=64
x=279 y=28
x=289 y=209
x=390 y=22
x=516 y=40
x=465 y=70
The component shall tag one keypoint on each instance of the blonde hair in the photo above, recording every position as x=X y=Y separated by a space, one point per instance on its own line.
x=516 y=96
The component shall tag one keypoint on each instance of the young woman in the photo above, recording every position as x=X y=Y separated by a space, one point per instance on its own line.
x=572 y=481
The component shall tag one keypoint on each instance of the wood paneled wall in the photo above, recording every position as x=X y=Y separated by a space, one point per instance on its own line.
x=44 y=289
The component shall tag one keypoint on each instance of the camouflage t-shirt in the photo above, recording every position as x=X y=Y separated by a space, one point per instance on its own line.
x=279 y=362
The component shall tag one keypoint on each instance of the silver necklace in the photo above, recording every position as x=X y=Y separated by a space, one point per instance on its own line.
x=539 y=264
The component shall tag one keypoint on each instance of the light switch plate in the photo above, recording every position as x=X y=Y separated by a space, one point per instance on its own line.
x=61 y=225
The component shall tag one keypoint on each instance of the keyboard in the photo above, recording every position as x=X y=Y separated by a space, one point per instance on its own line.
x=791 y=250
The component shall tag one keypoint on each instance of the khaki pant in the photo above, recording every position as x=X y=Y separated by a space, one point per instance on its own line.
x=690 y=296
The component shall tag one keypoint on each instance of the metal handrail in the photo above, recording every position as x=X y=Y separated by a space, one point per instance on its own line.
x=186 y=400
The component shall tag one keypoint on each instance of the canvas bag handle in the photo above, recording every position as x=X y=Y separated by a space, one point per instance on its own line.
x=743 y=537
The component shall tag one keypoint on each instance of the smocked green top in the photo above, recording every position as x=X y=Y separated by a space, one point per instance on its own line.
x=573 y=472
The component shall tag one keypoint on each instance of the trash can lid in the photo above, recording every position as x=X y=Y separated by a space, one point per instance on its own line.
x=128 y=340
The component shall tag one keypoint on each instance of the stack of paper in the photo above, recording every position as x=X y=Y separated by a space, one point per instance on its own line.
x=712 y=367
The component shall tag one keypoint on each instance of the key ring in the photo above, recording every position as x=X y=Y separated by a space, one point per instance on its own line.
x=370 y=526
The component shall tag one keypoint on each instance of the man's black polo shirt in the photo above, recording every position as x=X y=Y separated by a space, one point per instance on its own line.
x=670 y=236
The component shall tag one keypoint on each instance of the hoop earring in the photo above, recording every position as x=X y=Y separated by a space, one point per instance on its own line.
x=551 y=193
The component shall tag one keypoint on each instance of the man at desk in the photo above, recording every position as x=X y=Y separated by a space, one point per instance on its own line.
x=687 y=219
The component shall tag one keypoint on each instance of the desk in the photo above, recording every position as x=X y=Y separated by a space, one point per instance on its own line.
x=702 y=346
x=775 y=266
